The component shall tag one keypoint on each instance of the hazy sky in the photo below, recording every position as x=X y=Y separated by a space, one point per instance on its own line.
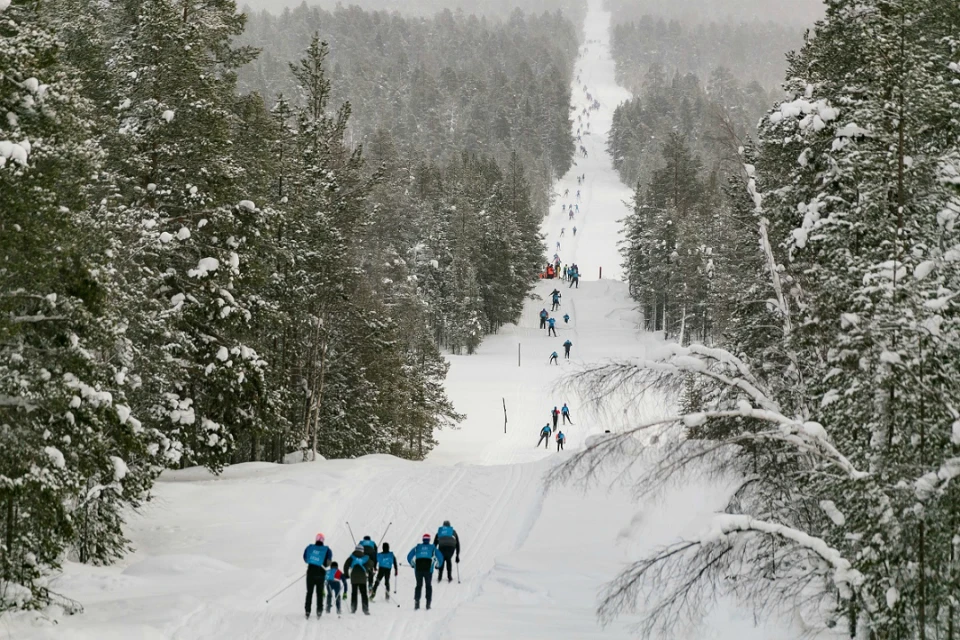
x=792 y=11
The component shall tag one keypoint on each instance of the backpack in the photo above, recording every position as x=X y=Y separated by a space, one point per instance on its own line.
x=359 y=564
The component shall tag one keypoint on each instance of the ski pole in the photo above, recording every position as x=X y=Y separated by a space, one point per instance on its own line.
x=285 y=588
x=353 y=537
x=384 y=535
x=458 y=573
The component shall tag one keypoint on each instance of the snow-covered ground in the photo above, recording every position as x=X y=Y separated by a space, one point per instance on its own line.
x=210 y=551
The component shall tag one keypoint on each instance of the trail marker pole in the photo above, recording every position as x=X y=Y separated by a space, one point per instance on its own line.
x=518 y=354
x=504 y=415
x=601 y=273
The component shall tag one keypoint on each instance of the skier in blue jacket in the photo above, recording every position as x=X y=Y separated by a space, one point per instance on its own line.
x=552 y=328
x=385 y=562
x=335 y=578
x=370 y=548
x=318 y=557
x=448 y=541
x=545 y=436
x=422 y=558
x=358 y=566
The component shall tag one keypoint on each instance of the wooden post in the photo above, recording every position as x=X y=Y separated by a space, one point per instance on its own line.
x=518 y=354
x=601 y=273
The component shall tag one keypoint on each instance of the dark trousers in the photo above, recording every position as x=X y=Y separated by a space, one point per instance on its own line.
x=566 y=354
x=566 y=418
x=553 y=359
x=545 y=439
x=556 y=305
x=315 y=582
x=559 y=445
x=552 y=330
x=361 y=588
x=554 y=422
x=333 y=593
x=424 y=576
x=383 y=574
x=543 y=323
x=447 y=553
x=372 y=562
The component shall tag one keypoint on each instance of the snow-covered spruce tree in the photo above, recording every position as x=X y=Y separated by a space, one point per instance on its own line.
x=847 y=438
x=172 y=66
x=72 y=455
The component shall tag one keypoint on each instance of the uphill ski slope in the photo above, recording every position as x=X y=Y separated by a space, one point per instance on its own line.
x=209 y=551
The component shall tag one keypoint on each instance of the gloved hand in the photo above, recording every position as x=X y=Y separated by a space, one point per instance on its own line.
x=344 y=596
x=458 y=559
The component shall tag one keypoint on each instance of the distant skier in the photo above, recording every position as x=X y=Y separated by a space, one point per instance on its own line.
x=543 y=318
x=545 y=436
x=575 y=278
x=448 y=542
x=565 y=412
x=553 y=359
x=555 y=415
x=426 y=556
x=558 y=245
x=562 y=230
x=564 y=208
x=574 y=232
x=561 y=440
x=570 y=217
x=566 y=349
x=358 y=566
x=370 y=548
x=385 y=562
x=555 y=294
x=552 y=329
x=577 y=208
x=335 y=578
x=566 y=318
x=318 y=557
x=578 y=195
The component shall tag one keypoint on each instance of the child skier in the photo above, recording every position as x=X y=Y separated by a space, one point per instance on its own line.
x=561 y=440
x=335 y=579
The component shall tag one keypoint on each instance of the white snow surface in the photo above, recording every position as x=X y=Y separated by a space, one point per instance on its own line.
x=209 y=551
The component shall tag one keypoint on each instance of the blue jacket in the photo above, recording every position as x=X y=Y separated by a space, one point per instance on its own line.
x=546 y=431
x=554 y=355
x=424 y=553
x=565 y=409
x=333 y=575
x=317 y=555
x=568 y=344
x=386 y=560
x=556 y=297
x=552 y=322
x=543 y=313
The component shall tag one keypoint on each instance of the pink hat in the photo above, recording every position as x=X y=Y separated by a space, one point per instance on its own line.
x=320 y=538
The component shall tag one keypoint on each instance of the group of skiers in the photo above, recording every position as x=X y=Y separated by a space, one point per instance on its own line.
x=367 y=567
x=547 y=430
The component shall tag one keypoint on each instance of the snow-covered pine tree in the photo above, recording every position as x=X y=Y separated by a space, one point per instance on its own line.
x=72 y=455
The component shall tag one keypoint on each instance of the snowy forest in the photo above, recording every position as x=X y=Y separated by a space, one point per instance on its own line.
x=266 y=234
x=201 y=268
x=805 y=257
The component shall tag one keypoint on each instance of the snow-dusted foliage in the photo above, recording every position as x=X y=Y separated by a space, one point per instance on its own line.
x=65 y=428
x=840 y=416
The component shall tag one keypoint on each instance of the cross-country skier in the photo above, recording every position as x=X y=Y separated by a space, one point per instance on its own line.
x=556 y=299
x=448 y=542
x=578 y=194
x=555 y=415
x=570 y=217
x=561 y=440
x=553 y=359
x=565 y=412
x=370 y=548
x=335 y=578
x=422 y=558
x=566 y=318
x=317 y=556
x=552 y=329
x=577 y=208
x=574 y=277
x=543 y=318
x=385 y=562
x=358 y=566
x=545 y=436
x=566 y=349
x=562 y=230
x=574 y=232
